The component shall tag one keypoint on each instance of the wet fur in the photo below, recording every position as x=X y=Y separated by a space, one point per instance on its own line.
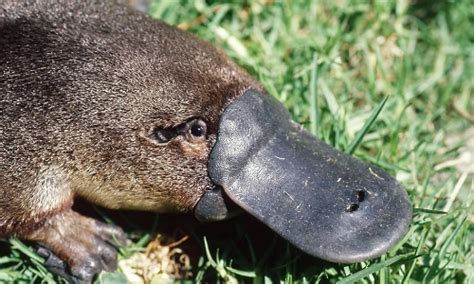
x=81 y=86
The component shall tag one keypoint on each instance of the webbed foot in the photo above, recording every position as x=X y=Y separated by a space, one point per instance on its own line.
x=77 y=247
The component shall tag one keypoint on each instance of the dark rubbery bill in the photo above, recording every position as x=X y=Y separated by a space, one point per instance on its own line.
x=327 y=203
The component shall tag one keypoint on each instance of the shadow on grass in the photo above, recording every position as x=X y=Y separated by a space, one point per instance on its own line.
x=243 y=243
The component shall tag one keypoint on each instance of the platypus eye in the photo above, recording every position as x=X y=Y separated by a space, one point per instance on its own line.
x=197 y=129
x=193 y=130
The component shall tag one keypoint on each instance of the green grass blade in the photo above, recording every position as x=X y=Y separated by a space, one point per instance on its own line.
x=429 y=211
x=313 y=97
x=249 y=274
x=374 y=268
x=360 y=135
x=17 y=244
x=435 y=268
x=211 y=261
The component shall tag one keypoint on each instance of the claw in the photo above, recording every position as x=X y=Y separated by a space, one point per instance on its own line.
x=55 y=265
x=77 y=248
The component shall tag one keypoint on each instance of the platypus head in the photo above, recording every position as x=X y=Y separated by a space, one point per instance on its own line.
x=233 y=146
x=215 y=141
x=162 y=121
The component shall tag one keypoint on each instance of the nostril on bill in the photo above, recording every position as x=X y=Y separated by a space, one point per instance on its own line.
x=352 y=207
x=360 y=194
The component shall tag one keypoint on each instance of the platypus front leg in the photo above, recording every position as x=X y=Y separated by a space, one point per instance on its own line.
x=77 y=247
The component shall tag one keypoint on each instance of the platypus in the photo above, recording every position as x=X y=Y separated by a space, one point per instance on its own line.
x=103 y=103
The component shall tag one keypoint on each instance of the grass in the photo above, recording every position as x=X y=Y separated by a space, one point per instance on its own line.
x=389 y=81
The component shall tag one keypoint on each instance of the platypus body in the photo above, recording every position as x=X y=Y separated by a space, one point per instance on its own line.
x=101 y=102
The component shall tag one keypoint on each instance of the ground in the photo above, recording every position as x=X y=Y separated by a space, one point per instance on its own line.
x=334 y=64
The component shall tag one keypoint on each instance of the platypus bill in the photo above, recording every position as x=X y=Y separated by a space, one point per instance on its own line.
x=101 y=102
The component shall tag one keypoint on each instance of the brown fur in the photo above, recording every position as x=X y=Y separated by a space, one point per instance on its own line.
x=79 y=85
